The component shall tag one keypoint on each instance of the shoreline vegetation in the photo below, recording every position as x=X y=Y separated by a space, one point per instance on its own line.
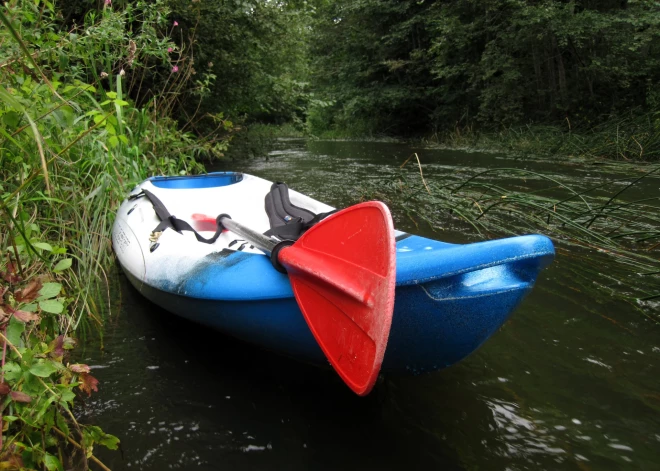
x=96 y=96
x=634 y=139
x=583 y=220
x=75 y=137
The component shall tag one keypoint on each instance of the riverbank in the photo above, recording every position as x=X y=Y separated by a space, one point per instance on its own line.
x=72 y=144
x=627 y=138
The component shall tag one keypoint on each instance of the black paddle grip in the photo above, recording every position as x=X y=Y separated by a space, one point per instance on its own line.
x=218 y=220
x=276 y=250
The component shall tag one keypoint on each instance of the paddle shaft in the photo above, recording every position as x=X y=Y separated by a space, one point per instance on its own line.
x=262 y=242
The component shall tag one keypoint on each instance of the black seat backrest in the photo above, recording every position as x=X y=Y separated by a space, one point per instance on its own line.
x=280 y=210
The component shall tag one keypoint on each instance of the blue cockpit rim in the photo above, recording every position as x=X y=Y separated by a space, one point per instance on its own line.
x=209 y=180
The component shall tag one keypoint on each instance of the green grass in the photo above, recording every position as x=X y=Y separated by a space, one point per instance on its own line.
x=72 y=145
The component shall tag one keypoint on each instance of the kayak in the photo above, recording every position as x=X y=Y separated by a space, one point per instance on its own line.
x=449 y=298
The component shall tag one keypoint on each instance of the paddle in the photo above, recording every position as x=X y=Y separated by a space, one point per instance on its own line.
x=342 y=272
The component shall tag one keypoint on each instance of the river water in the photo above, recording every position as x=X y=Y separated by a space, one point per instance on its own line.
x=571 y=382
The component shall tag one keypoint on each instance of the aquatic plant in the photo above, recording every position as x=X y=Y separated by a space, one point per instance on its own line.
x=631 y=137
x=615 y=217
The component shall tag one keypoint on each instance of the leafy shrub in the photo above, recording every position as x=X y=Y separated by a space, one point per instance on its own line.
x=77 y=132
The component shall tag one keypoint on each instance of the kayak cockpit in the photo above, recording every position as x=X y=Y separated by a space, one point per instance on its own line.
x=209 y=180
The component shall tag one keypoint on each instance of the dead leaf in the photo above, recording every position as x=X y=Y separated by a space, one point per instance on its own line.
x=19 y=396
x=88 y=383
x=25 y=316
x=10 y=460
x=5 y=314
x=4 y=389
x=11 y=275
x=58 y=347
x=79 y=368
x=30 y=292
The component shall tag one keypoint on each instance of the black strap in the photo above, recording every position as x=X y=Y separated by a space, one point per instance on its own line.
x=169 y=221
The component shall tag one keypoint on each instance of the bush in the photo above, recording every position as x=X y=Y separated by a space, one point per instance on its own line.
x=72 y=144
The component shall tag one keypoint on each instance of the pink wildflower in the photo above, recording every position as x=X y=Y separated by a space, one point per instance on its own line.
x=175 y=68
x=108 y=3
x=176 y=23
x=169 y=49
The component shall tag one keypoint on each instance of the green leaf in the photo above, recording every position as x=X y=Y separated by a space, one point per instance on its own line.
x=93 y=434
x=30 y=307
x=63 y=265
x=68 y=396
x=14 y=331
x=43 y=368
x=60 y=421
x=111 y=95
x=109 y=441
x=49 y=290
x=9 y=418
x=43 y=246
x=52 y=463
x=13 y=371
x=121 y=102
x=51 y=305
x=68 y=115
x=113 y=141
x=11 y=119
x=44 y=405
x=98 y=118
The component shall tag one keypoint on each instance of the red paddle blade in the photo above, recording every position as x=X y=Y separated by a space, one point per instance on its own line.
x=343 y=273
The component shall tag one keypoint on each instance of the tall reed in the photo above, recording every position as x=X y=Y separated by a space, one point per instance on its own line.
x=616 y=217
x=630 y=137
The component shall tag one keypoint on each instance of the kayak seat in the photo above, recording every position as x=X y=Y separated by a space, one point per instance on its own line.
x=287 y=221
x=279 y=209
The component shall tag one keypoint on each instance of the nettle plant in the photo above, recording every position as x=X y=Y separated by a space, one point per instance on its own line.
x=38 y=383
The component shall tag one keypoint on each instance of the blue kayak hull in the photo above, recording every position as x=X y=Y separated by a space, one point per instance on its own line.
x=436 y=322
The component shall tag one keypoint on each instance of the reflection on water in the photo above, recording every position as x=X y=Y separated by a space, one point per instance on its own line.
x=571 y=382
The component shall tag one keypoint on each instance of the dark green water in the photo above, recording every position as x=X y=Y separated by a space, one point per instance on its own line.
x=571 y=382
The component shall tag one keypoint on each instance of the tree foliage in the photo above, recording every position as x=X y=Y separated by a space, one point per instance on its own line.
x=256 y=52
x=411 y=66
